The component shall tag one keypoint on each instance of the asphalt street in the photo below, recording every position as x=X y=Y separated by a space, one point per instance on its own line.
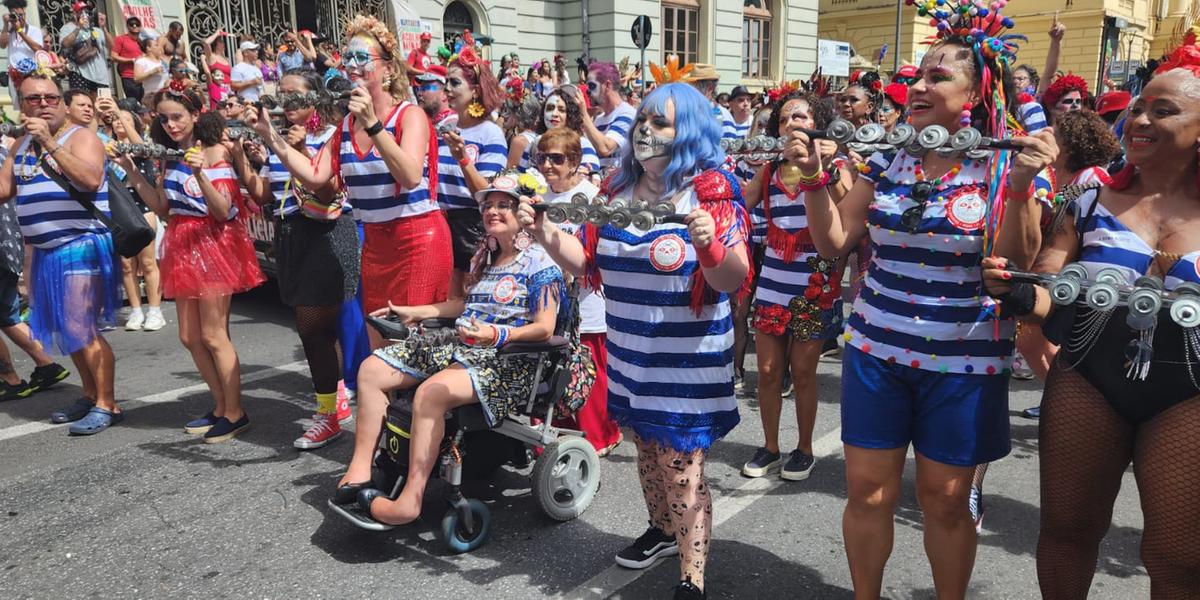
x=147 y=511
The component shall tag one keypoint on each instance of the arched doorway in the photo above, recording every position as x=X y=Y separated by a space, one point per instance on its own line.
x=455 y=21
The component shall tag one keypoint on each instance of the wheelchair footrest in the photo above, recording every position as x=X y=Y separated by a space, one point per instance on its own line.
x=358 y=517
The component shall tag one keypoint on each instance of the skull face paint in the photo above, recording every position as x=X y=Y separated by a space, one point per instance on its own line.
x=654 y=137
x=458 y=90
x=555 y=112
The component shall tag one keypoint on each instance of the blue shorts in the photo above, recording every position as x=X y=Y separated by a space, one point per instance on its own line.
x=10 y=300
x=955 y=419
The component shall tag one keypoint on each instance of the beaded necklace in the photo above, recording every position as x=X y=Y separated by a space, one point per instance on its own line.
x=30 y=170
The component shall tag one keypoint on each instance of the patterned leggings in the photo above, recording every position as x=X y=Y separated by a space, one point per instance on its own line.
x=678 y=502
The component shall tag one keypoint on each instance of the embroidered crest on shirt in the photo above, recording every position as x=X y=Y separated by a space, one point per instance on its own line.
x=966 y=209
x=191 y=187
x=505 y=290
x=667 y=253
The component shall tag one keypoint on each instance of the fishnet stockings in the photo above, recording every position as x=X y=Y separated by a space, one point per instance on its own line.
x=1084 y=448
x=678 y=501
x=317 y=326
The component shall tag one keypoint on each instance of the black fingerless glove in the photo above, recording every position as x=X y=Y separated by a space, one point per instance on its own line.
x=1020 y=300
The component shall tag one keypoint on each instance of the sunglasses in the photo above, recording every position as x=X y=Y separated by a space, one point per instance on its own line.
x=429 y=87
x=47 y=99
x=911 y=218
x=357 y=59
x=500 y=206
x=558 y=159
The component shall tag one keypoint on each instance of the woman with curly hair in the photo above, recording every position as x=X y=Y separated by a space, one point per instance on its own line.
x=860 y=100
x=562 y=110
x=384 y=156
x=207 y=254
x=469 y=154
x=1066 y=93
x=798 y=303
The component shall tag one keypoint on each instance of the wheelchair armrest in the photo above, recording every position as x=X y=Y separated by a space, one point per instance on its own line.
x=438 y=323
x=390 y=328
x=554 y=343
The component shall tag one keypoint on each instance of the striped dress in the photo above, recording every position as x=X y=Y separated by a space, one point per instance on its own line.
x=670 y=372
x=616 y=125
x=799 y=292
x=921 y=304
x=485 y=148
x=375 y=194
x=49 y=217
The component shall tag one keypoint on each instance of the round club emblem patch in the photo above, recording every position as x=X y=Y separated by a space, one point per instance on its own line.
x=191 y=187
x=966 y=211
x=668 y=252
x=505 y=183
x=505 y=290
x=472 y=152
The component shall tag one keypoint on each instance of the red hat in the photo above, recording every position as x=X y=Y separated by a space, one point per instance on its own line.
x=425 y=35
x=897 y=93
x=1113 y=102
x=79 y=6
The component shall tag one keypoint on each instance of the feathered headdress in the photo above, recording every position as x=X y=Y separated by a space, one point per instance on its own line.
x=784 y=88
x=671 y=72
x=818 y=84
x=1186 y=56
x=868 y=80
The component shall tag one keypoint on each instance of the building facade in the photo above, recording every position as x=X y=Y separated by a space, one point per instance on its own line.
x=1105 y=38
x=751 y=42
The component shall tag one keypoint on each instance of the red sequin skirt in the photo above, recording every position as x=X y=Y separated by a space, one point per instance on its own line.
x=407 y=261
x=203 y=257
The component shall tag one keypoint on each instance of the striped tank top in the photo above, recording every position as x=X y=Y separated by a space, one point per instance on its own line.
x=375 y=194
x=485 y=147
x=1106 y=243
x=921 y=304
x=48 y=216
x=184 y=196
x=670 y=372
x=285 y=203
x=513 y=294
x=780 y=280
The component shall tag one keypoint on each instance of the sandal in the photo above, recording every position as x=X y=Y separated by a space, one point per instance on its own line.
x=613 y=446
x=74 y=412
x=97 y=420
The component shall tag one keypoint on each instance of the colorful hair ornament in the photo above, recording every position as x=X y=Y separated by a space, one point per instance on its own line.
x=868 y=80
x=784 y=88
x=818 y=84
x=671 y=72
x=1186 y=56
x=897 y=92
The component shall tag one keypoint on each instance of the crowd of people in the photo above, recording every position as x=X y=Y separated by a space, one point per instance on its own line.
x=407 y=186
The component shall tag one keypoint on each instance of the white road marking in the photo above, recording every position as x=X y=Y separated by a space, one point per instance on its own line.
x=613 y=579
x=24 y=429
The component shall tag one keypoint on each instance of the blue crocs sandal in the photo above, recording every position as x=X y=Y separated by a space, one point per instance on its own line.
x=74 y=412
x=97 y=420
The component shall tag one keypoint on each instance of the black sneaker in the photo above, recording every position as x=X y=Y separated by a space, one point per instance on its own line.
x=798 y=466
x=763 y=462
x=9 y=391
x=43 y=378
x=687 y=590
x=651 y=546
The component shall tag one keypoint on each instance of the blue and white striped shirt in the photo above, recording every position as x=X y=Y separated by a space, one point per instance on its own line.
x=184 y=196
x=48 y=216
x=285 y=203
x=780 y=281
x=922 y=304
x=616 y=125
x=1033 y=117
x=1105 y=242
x=728 y=127
x=670 y=371
x=743 y=129
x=485 y=148
x=376 y=195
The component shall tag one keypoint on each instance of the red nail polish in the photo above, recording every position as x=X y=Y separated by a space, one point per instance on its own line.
x=1007 y=275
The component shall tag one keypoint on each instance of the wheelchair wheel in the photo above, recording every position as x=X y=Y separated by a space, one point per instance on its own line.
x=458 y=540
x=566 y=477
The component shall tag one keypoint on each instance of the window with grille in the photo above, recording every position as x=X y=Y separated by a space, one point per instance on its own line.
x=756 y=40
x=680 y=27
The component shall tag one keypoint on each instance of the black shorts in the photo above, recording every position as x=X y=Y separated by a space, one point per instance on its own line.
x=317 y=261
x=76 y=81
x=466 y=231
x=132 y=89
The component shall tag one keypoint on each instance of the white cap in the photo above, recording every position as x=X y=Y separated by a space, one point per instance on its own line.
x=248 y=45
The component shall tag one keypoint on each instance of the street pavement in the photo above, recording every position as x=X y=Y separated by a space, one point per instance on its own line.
x=147 y=511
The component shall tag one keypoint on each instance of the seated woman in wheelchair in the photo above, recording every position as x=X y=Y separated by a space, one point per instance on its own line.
x=512 y=294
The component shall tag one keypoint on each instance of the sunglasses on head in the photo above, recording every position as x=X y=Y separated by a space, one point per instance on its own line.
x=911 y=218
x=557 y=159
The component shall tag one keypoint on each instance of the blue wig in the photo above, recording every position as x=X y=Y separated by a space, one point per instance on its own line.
x=697 y=146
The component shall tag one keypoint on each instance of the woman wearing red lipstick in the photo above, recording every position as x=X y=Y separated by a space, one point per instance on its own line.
x=1098 y=415
x=925 y=355
x=385 y=157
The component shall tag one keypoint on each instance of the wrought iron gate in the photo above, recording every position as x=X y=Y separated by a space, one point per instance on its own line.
x=266 y=20
x=53 y=14
x=332 y=15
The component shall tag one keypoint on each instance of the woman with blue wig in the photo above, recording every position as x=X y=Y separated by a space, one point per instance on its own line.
x=670 y=333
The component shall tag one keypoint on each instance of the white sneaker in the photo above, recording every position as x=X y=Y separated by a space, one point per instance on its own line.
x=136 y=320
x=154 y=320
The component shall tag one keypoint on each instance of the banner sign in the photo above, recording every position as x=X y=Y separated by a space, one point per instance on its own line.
x=146 y=11
x=833 y=57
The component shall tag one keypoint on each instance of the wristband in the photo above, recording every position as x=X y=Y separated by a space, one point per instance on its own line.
x=501 y=337
x=374 y=130
x=1020 y=300
x=711 y=255
x=821 y=181
x=464 y=161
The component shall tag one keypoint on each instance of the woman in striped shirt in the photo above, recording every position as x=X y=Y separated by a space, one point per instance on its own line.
x=925 y=363
x=384 y=156
x=670 y=334
x=316 y=246
x=207 y=254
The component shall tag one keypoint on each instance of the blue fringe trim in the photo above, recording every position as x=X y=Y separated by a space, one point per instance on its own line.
x=679 y=438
